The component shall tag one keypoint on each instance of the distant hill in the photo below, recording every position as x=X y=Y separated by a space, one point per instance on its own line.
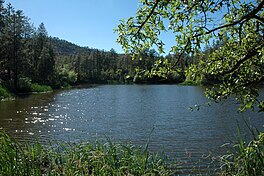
x=65 y=48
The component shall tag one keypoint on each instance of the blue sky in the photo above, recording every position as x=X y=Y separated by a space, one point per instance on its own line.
x=83 y=22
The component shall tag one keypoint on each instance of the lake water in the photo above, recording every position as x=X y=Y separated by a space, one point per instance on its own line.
x=128 y=113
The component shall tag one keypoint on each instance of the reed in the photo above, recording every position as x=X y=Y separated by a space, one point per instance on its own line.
x=245 y=159
x=78 y=159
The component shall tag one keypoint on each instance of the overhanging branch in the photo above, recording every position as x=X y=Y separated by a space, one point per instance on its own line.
x=249 y=55
x=259 y=18
x=248 y=16
x=148 y=17
x=255 y=82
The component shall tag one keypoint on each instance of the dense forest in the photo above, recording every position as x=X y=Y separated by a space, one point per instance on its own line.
x=30 y=58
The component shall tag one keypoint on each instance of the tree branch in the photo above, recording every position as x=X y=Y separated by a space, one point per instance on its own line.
x=179 y=56
x=148 y=17
x=248 y=16
x=249 y=55
x=255 y=82
x=259 y=18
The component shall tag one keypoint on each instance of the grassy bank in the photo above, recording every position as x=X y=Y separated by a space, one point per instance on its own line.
x=114 y=159
x=78 y=159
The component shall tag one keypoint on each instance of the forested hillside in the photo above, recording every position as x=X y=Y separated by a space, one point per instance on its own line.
x=29 y=57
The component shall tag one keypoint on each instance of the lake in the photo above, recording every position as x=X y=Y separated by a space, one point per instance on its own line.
x=128 y=113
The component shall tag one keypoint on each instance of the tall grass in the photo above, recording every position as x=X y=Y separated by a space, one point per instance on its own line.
x=78 y=159
x=247 y=159
x=115 y=159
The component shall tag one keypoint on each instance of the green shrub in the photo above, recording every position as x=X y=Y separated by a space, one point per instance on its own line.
x=78 y=159
x=24 y=84
x=67 y=76
x=40 y=88
x=4 y=93
x=72 y=77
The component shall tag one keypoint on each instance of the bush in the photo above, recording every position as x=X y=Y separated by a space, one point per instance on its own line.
x=66 y=76
x=72 y=77
x=40 y=88
x=24 y=84
x=4 y=93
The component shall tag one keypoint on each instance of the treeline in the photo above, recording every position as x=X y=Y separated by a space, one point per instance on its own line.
x=99 y=66
x=26 y=54
x=30 y=58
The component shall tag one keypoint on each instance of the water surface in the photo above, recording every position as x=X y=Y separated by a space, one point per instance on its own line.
x=128 y=113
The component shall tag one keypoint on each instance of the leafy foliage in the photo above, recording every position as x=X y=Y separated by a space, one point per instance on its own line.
x=67 y=76
x=238 y=63
x=4 y=93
